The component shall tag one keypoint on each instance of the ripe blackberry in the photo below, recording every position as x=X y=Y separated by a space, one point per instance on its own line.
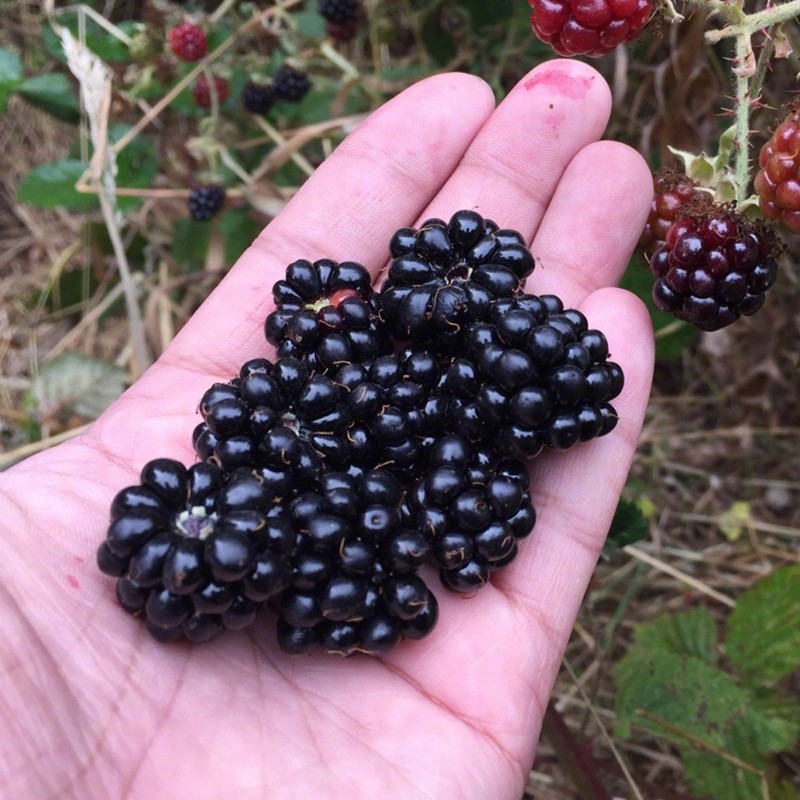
x=202 y=90
x=473 y=505
x=289 y=83
x=205 y=202
x=258 y=98
x=188 y=42
x=356 y=587
x=777 y=183
x=277 y=416
x=326 y=313
x=339 y=12
x=672 y=193
x=195 y=551
x=588 y=27
x=444 y=276
x=396 y=412
x=535 y=375
x=713 y=269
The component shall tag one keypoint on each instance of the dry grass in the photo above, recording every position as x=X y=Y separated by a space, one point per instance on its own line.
x=723 y=424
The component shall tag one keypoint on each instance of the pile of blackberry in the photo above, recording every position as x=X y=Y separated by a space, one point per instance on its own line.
x=391 y=431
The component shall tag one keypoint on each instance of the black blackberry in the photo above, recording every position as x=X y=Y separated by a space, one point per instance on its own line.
x=445 y=275
x=356 y=587
x=195 y=551
x=327 y=314
x=340 y=12
x=396 y=412
x=535 y=376
x=258 y=98
x=206 y=201
x=473 y=505
x=279 y=418
x=289 y=83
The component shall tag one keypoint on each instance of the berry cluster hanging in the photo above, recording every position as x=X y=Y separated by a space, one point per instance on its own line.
x=391 y=431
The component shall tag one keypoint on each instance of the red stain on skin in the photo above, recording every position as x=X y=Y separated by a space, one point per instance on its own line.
x=72 y=581
x=560 y=82
x=78 y=559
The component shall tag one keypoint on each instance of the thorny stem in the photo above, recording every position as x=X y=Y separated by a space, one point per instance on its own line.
x=749 y=75
x=742 y=136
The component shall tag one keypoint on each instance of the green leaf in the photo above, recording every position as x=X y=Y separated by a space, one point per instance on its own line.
x=763 y=634
x=73 y=384
x=686 y=693
x=240 y=231
x=689 y=633
x=137 y=165
x=190 y=242
x=52 y=93
x=10 y=75
x=673 y=337
x=310 y=23
x=628 y=526
x=102 y=43
x=53 y=184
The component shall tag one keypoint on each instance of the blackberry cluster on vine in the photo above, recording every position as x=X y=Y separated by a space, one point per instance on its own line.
x=390 y=431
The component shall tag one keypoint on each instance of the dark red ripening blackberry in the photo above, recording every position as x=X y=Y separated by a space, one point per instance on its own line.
x=445 y=275
x=714 y=269
x=672 y=193
x=355 y=587
x=326 y=313
x=291 y=84
x=195 y=551
x=280 y=416
x=396 y=412
x=258 y=98
x=205 y=202
x=534 y=375
x=202 y=90
x=474 y=506
x=588 y=27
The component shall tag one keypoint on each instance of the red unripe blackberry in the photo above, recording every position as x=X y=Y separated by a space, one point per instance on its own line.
x=672 y=192
x=588 y=27
x=713 y=269
x=777 y=183
x=188 y=42
x=202 y=90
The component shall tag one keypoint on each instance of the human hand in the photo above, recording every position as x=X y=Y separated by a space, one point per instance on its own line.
x=92 y=707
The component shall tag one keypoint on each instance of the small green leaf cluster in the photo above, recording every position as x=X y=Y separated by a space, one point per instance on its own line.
x=725 y=704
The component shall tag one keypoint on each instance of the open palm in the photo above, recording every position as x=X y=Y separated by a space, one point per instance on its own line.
x=92 y=707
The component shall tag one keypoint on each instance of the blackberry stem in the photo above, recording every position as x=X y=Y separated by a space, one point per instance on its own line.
x=748 y=73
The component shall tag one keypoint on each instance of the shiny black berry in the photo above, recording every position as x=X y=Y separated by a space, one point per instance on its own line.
x=205 y=202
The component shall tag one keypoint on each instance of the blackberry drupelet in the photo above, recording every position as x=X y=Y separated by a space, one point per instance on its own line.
x=395 y=409
x=714 y=268
x=473 y=506
x=279 y=416
x=205 y=202
x=258 y=98
x=194 y=551
x=535 y=375
x=291 y=84
x=356 y=587
x=444 y=276
x=326 y=313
